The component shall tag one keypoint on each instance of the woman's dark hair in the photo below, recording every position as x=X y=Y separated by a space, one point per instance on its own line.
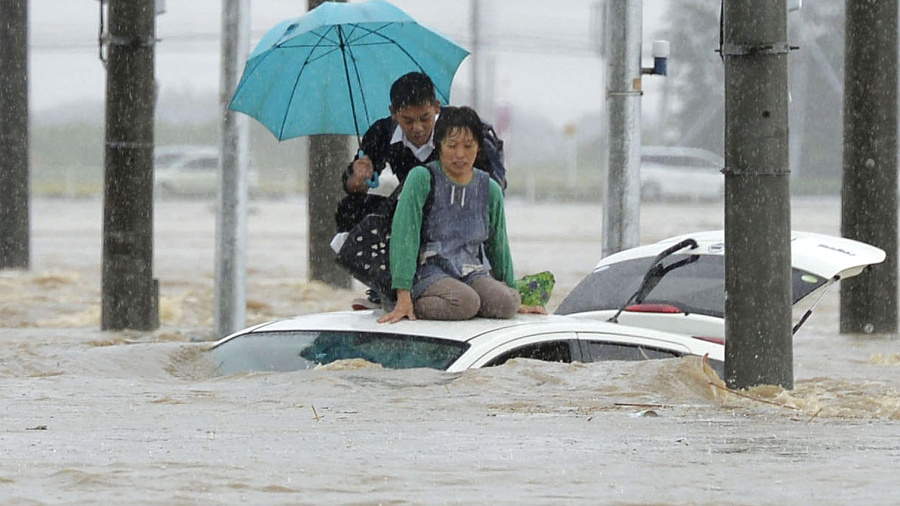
x=457 y=117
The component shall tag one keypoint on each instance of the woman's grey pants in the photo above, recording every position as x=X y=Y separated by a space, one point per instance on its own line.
x=451 y=299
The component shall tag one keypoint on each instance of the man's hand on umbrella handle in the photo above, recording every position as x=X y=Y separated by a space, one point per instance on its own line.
x=362 y=171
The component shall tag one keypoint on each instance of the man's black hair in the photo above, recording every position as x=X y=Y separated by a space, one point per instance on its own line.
x=457 y=117
x=414 y=89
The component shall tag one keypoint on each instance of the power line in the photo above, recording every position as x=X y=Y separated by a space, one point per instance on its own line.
x=207 y=42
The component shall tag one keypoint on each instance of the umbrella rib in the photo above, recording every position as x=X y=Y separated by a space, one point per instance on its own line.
x=323 y=36
x=400 y=47
x=344 y=50
x=367 y=32
x=296 y=84
x=376 y=32
x=362 y=95
x=348 y=40
x=334 y=45
x=318 y=57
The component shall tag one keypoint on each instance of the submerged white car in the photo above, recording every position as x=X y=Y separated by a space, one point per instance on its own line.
x=662 y=300
x=318 y=339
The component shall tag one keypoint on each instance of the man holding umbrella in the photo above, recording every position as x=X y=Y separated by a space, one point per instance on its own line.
x=404 y=140
x=329 y=72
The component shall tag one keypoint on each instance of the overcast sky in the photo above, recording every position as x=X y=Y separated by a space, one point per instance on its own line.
x=542 y=50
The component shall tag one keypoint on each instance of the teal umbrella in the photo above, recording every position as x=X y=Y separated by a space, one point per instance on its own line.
x=330 y=71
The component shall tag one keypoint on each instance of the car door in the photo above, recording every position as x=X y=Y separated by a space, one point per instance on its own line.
x=552 y=347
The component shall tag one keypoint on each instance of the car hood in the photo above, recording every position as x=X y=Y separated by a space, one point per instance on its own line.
x=823 y=255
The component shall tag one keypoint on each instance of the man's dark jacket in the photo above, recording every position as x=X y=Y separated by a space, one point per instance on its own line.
x=376 y=144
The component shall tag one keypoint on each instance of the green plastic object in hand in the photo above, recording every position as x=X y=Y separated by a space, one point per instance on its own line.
x=535 y=289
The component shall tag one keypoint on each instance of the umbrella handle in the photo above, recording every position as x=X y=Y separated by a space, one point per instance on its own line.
x=374 y=182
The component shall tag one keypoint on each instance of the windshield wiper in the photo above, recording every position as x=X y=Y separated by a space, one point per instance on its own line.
x=656 y=272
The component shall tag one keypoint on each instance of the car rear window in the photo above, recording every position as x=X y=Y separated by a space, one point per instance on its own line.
x=298 y=350
x=695 y=287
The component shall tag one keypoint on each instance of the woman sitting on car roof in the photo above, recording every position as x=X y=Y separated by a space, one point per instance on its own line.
x=449 y=216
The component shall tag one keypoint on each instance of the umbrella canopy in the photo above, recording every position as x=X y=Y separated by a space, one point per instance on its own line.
x=330 y=71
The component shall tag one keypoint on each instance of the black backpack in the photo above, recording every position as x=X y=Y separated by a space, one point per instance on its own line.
x=493 y=153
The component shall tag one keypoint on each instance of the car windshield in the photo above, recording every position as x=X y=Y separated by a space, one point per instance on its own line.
x=694 y=287
x=297 y=350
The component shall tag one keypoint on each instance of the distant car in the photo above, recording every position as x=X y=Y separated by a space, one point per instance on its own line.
x=318 y=339
x=190 y=171
x=681 y=173
x=678 y=284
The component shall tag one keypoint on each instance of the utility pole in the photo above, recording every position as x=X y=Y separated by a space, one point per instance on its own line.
x=14 y=216
x=129 y=292
x=327 y=158
x=234 y=167
x=622 y=210
x=758 y=350
x=869 y=192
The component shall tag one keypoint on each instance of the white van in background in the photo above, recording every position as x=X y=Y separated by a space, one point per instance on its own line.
x=681 y=173
x=189 y=170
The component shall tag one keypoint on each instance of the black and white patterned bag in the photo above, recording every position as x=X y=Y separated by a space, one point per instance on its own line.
x=366 y=251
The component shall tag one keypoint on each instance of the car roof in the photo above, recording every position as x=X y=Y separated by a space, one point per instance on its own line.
x=824 y=255
x=467 y=330
x=367 y=321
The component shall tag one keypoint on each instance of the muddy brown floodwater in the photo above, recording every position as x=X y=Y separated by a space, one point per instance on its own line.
x=91 y=416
